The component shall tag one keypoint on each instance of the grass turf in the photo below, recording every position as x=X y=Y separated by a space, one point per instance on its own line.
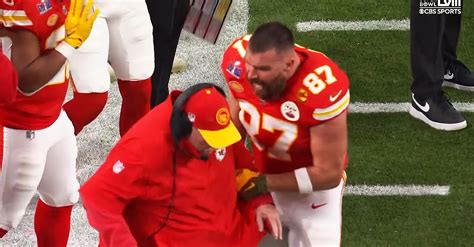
x=377 y=62
x=391 y=148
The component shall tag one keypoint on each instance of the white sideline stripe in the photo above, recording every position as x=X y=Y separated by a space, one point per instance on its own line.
x=397 y=190
x=402 y=25
x=358 y=107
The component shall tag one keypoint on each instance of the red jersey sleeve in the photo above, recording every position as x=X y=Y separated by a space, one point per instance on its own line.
x=235 y=52
x=42 y=17
x=326 y=86
x=233 y=66
x=8 y=79
x=18 y=14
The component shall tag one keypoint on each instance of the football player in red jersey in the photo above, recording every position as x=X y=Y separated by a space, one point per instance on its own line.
x=123 y=35
x=292 y=102
x=39 y=143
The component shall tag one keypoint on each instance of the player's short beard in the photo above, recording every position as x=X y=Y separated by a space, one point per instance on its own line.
x=270 y=90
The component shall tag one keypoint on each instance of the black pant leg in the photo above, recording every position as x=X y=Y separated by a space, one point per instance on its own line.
x=451 y=37
x=426 y=32
x=168 y=20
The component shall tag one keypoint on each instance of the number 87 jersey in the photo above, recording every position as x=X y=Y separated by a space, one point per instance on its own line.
x=280 y=129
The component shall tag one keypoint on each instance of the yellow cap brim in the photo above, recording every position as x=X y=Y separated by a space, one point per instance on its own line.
x=221 y=138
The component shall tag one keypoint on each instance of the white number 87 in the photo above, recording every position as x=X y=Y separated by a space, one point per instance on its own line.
x=289 y=131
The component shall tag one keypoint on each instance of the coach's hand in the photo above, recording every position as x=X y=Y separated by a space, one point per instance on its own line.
x=267 y=215
x=79 y=22
x=250 y=184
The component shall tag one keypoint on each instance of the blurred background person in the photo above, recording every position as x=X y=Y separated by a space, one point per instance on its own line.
x=123 y=35
x=433 y=43
x=168 y=18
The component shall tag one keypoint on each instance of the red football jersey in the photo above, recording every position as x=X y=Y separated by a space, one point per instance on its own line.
x=45 y=18
x=280 y=129
x=8 y=81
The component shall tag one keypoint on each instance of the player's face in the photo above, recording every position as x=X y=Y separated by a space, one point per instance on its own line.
x=200 y=144
x=267 y=71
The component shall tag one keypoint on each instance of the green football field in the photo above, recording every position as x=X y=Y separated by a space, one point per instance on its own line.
x=391 y=148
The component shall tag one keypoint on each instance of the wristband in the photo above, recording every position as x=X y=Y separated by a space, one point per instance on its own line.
x=65 y=49
x=303 y=180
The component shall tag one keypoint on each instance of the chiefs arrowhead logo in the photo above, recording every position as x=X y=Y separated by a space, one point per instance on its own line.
x=223 y=116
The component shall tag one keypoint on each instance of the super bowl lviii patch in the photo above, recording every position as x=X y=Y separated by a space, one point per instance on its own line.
x=44 y=6
x=234 y=68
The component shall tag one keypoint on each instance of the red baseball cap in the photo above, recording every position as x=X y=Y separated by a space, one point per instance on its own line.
x=209 y=113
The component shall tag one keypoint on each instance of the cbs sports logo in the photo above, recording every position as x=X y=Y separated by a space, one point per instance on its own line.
x=439 y=7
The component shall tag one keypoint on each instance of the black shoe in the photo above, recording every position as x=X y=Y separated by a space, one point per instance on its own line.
x=437 y=112
x=458 y=76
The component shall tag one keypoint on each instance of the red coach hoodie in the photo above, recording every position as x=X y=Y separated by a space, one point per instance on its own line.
x=135 y=199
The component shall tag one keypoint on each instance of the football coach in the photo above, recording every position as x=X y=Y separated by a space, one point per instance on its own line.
x=170 y=181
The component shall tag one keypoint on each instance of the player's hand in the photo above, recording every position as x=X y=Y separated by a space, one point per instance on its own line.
x=79 y=22
x=250 y=184
x=268 y=213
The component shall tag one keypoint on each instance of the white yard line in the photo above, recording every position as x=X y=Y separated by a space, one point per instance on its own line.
x=358 y=107
x=308 y=26
x=397 y=190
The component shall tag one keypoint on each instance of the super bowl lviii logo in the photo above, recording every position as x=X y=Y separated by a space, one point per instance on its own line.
x=439 y=7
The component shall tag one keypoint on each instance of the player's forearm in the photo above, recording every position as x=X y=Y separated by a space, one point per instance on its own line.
x=38 y=73
x=325 y=178
x=282 y=182
x=320 y=180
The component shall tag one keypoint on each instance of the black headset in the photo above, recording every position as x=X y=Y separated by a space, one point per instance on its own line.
x=181 y=127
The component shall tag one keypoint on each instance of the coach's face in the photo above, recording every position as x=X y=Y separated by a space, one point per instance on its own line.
x=268 y=72
x=200 y=144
